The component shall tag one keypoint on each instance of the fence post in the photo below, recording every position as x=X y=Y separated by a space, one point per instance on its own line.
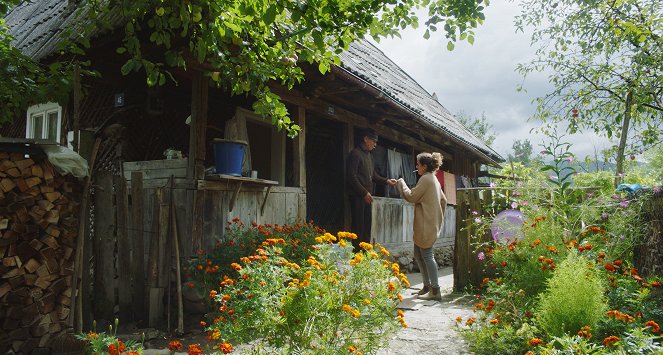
x=461 y=243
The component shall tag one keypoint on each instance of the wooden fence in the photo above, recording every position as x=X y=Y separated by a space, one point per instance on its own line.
x=473 y=203
x=393 y=219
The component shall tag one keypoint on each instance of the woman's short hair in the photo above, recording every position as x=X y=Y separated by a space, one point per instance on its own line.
x=433 y=161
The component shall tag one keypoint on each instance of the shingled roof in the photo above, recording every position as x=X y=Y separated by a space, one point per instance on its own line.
x=371 y=65
x=38 y=26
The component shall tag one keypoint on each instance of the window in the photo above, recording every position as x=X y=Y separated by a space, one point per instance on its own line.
x=44 y=121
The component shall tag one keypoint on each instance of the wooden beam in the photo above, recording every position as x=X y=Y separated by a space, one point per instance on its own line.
x=342 y=115
x=197 y=148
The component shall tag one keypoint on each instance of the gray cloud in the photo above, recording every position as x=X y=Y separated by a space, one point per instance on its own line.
x=481 y=78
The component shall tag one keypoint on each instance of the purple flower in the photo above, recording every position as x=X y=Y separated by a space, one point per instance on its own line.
x=604 y=215
x=475 y=213
x=517 y=193
x=623 y=204
x=481 y=256
x=514 y=205
x=524 y=203
x=570 y=159
x=657 y=189
x=492 y=184
x=477 y=220
x=616 y=197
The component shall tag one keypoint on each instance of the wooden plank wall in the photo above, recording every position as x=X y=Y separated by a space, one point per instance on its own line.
x=392 y=224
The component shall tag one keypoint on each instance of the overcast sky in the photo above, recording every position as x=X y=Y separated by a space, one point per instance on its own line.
x=481 y=78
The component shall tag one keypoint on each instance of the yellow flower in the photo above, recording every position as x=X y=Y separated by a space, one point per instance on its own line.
x=318 y=239
x=365 y=246
x=391 y=287
x=367 y=301
x=384 y=251
x=400 y=313
x=355 y=313
x=346 y=308
x=373 y=255
x=342 y=243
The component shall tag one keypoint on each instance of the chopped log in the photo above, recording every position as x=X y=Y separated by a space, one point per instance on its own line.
x=32 y=265
x=4 y=289
x=32 y=181
x=13 y=172
x=36 y=245
x=7 y=184
x=51 y=196
x=47 y=304
x=42 y=282
x=6 y=165
x=10 y=261
x=37 y=171
x=45 y=205
x=30 y=279
x=50 y=258
x=4 y=222
x=48 y=172
x=21 y=184
x=50 y=241
x=52 y=216
x=16 y=156
x=46 y=188
x=58 y=286
x=25 y=163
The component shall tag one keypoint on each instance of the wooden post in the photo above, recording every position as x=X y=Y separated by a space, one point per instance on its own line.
x=299 y=157
x=348 y=145
x=197 y=148
x=77 y=106
x=138 y=245
x=462 y=243
x=124 y=266
x=178 y=273
x=475 y=266
x=155 y=296
x=104 y=235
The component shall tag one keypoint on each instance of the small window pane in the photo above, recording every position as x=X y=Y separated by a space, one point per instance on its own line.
x=37 y=126
x=52 y=127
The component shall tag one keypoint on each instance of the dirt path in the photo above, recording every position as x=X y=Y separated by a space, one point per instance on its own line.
x=430 y=324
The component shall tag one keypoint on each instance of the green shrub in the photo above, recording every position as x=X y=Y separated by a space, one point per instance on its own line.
x=574 y=298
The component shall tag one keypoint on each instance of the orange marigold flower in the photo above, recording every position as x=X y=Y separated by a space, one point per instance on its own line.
x=203 y=323
x=194 y=349
x=611 y=340
x=225 y=297
x=610 y=267
x=236 y=266
x=391 y=287
x=400 y=313
x=656 y=284
x=130 y=353
x=503 y=263
x=92 y=335
x=655 y=328
x=618 y=262
x=212 y=293
x=585 y=334
x=352 y=349
x=529 y=353
x=494 y=321
x=459 y=319
x=225 y=347
x=116 y=348
x=470 y=321
x=175 y=345
x=535 y=342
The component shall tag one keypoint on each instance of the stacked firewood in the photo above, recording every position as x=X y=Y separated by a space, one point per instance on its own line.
x=38 y=231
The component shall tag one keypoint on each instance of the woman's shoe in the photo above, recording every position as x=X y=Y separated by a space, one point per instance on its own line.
x=424 y=290
x=433 y=295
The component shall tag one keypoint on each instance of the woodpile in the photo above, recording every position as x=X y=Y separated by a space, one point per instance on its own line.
x=38 y=231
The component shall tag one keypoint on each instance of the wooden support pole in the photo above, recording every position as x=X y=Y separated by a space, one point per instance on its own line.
x=197 y=135
x=124 y=266
x=104 y=236
x=138 y=245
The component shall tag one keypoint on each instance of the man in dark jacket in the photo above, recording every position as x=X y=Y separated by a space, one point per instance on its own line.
x=361 y=176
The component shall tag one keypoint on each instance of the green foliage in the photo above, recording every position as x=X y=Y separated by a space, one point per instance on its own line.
x=108 y=343
x=241 y=45
x=241 y=241
x=560 y=168
x=654 y=166
x=604 y=59
x=479 y=126
x=508 y=341
x=334 y=302
x=522 y=151
x=574 y=298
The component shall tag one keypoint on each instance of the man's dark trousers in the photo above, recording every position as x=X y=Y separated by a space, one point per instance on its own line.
x=361 y=220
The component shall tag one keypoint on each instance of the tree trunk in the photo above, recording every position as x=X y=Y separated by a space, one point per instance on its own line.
x=622 y=141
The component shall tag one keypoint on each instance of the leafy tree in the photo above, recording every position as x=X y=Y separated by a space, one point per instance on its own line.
x=522 y=151
x=245 y=44
x=605 y=60
x=479 y=126
x=654 y=166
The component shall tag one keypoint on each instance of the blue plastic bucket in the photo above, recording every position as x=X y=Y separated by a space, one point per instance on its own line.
x=229 y=156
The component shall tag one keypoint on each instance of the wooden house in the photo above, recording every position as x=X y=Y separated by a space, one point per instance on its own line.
x=297 y=179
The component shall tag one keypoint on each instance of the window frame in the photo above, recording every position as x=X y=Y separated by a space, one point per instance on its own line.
x=44 y=109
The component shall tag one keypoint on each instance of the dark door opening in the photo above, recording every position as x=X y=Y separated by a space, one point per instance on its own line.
x=324 y=173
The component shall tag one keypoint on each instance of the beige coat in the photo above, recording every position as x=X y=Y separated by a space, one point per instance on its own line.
x=429 y=206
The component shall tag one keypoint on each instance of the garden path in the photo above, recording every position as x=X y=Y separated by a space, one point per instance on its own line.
x=430 y=328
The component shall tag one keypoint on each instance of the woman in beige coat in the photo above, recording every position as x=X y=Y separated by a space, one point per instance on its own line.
x=429 y=206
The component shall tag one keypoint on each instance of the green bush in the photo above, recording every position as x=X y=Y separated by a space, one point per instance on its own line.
x=574 y=298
